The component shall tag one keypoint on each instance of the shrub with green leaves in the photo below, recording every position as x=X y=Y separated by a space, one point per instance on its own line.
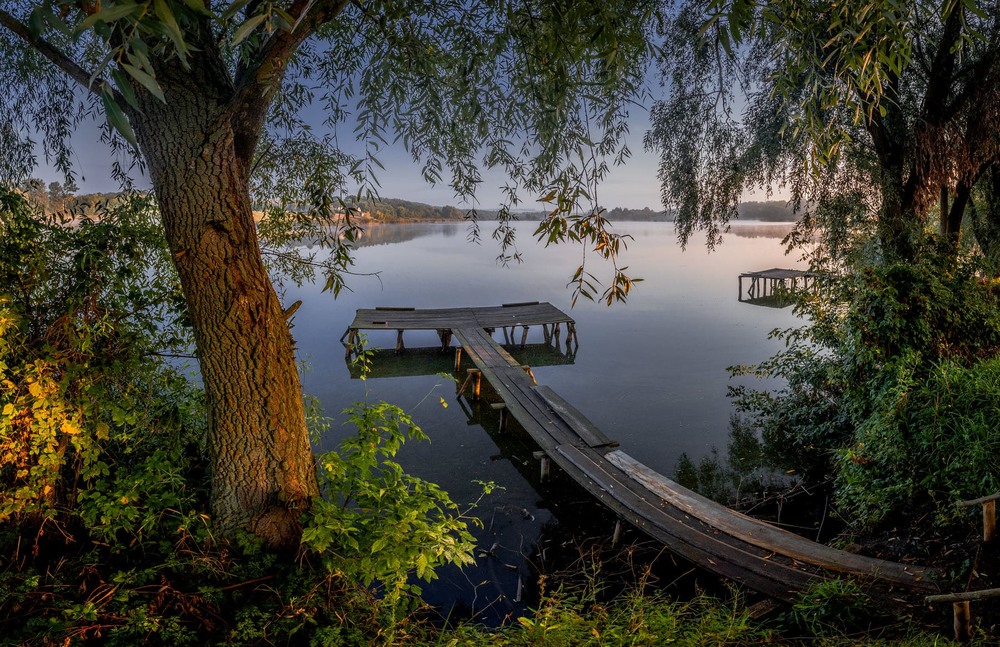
x=91 y=426
x=931 y=438
x=376 y=524
x=894 y=386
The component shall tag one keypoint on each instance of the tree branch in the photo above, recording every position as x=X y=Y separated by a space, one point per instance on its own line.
x=259 y=79
x=265 y=72
x=49 y=51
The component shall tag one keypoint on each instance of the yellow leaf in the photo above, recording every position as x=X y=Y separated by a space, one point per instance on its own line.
x=69 y=428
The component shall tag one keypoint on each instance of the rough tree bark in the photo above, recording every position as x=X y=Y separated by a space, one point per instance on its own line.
x=263 y=474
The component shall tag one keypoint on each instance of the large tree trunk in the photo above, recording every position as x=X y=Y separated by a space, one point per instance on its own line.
x=263 y=475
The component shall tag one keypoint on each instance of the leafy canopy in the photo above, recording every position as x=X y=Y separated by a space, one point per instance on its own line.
x=538 y=91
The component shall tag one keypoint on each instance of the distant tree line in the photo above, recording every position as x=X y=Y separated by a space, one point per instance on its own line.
x=60 y=197
x=769 y=211
x=395 y=210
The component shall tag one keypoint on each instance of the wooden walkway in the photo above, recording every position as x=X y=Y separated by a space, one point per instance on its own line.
x=763 y=557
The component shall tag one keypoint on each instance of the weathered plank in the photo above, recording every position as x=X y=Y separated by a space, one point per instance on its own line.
x=764 y=535
x=583 y=427
x=762 y=571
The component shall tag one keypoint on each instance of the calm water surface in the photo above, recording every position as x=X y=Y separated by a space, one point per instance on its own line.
x=651 y=373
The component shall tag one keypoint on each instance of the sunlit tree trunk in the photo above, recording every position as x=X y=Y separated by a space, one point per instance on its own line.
x=263 y=475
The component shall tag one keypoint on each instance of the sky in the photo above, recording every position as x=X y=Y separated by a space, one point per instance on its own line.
x=633 y=185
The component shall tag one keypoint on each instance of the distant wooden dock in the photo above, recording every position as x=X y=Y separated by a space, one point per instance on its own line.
x=763 y=557
x=774 y=287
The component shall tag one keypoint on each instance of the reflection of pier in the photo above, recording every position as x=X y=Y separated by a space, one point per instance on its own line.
x=432 y=361
x=763 y=557
x=775 y=287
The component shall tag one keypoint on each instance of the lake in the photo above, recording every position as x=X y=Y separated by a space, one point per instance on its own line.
x=650 y=373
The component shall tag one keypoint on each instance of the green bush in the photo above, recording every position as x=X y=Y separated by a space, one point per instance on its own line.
x=893 y=388
x=931 y=438
x=377 y=524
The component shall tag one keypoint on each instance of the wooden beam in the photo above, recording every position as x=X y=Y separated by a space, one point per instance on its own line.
x=964 y=596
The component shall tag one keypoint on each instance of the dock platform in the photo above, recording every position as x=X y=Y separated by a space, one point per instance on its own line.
x=763 y=557
x=774 y=287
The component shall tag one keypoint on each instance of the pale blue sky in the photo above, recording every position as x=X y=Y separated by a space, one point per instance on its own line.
x=633 y=185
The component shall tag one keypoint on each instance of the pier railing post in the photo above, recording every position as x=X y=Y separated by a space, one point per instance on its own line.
x=989 y=504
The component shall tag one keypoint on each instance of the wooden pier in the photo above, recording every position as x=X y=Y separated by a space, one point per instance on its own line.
x=508 y=318
x=774 y=287
x=763 y=557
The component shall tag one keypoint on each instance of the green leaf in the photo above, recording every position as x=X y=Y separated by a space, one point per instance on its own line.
x=146 y=80
x=198 y=6
x=125 y=88
x=234 y=8
x=108 y=15
x=247 y=28
x=116 y=118
x=166 y=17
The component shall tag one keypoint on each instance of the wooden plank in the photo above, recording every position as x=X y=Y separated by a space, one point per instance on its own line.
x=766 y=536
x=576 y=420
x=760 y=571
x=982 y=499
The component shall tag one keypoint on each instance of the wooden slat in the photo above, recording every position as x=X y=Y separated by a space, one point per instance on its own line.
x=765 y=535
x=583 y=427
x=760 y=571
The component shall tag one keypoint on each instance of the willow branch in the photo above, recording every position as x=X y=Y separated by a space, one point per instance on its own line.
x=264 y=74
x=262 y=77
x=49 y=51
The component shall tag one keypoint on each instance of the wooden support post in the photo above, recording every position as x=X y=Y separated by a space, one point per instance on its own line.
x=506 y=338
x=545 y=333
x=352 y=335
x=445 y=335
x=989 y=521
x=399 y=341
x=524 y=337
x=458 y=358
x=465 y=383
x=989 y=504
x=477 y=380
x=960 y=605
x=545 y=464
x=502 y=408
x=617 y=535
x=963 y=621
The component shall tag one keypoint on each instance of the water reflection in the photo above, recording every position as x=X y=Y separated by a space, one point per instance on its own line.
x=433 y=361
x=650 y=374
x=761 y=230
x=752 y=476
x=375 y=233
